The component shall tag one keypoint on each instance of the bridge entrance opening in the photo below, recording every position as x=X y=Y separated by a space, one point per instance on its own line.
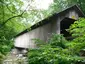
x=64 y=26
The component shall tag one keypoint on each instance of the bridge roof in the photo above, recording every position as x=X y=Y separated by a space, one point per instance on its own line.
x=46 y=20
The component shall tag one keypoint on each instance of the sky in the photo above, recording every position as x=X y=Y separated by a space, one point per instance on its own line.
x=40 y=4
x=43 y=4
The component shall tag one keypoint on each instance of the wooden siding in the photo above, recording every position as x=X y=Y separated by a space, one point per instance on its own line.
x=45 y=31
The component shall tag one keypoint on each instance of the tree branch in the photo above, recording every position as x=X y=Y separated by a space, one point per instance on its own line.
x=13 y=17
x=9 y=9
x=10 y=19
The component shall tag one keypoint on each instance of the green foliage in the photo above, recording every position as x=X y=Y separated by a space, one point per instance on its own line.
x=57 y=44
x=56 y=40
x=60 y=5
x=39 y=42
x=8 y=27
x=78 y=30
x=81 y=3
x=58 y=50
x=54 y=53
x=6 y=42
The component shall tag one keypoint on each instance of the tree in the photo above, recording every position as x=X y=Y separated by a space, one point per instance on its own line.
x=10 y=24
x=77 y=31
x=60 y=5
x=58 y=50
x=81 y=3
x=55 y=53
x=14 y=19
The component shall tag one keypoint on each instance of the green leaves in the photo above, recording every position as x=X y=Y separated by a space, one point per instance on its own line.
x=78 y=32
x=57 y=40
x=57 y=51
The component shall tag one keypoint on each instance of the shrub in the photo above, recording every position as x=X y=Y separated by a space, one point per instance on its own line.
x=60 y=51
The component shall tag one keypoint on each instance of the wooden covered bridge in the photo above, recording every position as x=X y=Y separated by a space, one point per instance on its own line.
x=57 y=23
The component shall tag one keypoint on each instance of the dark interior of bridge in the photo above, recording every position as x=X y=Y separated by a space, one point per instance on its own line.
x=64 y=25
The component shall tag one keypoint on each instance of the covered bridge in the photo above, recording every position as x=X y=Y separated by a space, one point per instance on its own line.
x=57 y=23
